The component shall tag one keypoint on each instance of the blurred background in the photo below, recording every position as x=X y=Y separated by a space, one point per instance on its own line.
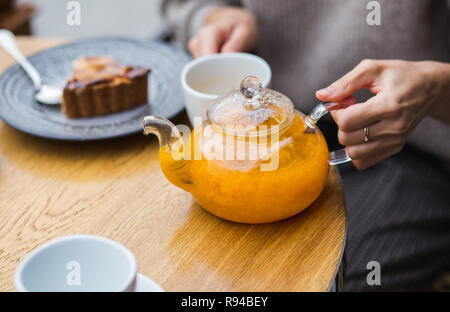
x=135 y=18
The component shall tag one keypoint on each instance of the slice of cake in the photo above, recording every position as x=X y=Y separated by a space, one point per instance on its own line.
x=101 y=85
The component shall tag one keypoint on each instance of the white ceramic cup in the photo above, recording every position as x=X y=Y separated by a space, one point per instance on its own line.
x=78 y=263
x=206 y=78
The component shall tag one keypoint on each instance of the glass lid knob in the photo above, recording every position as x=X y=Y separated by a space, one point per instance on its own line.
x=251 y=86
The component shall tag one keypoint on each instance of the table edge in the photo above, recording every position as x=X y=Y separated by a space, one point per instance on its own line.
x=335 y=283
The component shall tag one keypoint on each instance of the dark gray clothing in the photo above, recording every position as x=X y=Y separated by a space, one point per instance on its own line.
x=398 y=213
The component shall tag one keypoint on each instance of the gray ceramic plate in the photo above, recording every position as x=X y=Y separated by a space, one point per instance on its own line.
x=19 y=109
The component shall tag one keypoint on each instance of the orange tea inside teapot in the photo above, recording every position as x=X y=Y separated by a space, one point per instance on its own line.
x=255 y=160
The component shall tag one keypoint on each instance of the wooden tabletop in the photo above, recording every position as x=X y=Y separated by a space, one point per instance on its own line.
x=115 y=188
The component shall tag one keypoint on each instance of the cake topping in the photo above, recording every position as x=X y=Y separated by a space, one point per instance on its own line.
x=103 y=69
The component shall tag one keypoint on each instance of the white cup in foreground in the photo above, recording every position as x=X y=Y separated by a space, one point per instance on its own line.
x=209 y=77
x=78 y=263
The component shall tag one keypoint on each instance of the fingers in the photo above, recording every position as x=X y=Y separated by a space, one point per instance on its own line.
x=361 y=76
x=387 y=137
x=371 y=148
x=353 y=137
x=209 y=40
x=358 y=115
x=377 y=131
x=214 y=39
x=226 y=30
x=238 y=40
x=379 y=147
x=340 y=105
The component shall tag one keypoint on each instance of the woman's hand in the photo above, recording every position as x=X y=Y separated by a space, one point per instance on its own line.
x=405 y=92
x=227 y=29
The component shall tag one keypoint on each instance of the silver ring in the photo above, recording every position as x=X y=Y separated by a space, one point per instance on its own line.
x=366 y=134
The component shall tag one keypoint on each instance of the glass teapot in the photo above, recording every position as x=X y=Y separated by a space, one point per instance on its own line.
x=254 y=160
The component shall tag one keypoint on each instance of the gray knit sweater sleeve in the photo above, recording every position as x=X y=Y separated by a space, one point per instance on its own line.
x=187 y=16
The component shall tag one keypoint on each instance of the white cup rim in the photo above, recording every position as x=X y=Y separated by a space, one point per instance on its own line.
x=200 y=60
x=18 y=276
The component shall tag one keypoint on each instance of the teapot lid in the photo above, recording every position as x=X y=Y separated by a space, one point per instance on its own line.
x=252 y=106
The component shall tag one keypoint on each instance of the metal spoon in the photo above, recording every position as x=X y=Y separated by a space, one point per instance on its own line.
x=45 y=94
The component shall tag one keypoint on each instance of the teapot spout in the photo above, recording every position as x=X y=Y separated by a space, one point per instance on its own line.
x=167 y=132
x=171 y=155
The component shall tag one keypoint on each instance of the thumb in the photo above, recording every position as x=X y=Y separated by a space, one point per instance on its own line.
x=359 y=77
